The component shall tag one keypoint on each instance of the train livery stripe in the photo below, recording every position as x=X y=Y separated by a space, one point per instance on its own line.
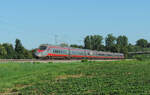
x=40 y=50
x=61 y=55
x=79 y=56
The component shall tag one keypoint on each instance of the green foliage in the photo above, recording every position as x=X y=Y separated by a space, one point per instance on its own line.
x=27 y=54
x=93 y=42
x=96 y=42
x=142 y=57
x=18 y=46
x=148 y=45
x=110 y=41
x=142 y=43
x=76 y=46
x=10 y=51
x=91 y=78
x=50 y=62
x=84 y=60
x=19 y=49
x=87 y=42
x=3 y=52
x=113 y=44
x=124 y=50
x=21 y=52
x=122 y=45
x=122 y=41
x=134 y=48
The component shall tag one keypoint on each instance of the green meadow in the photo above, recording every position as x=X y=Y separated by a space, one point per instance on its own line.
x=79 y=78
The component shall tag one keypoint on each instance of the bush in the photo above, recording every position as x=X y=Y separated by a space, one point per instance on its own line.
x=84 y=60
x=50 y=62
x=36 y=62
x=142 y=57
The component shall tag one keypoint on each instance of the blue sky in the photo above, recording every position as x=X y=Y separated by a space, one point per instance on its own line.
x=37 y=21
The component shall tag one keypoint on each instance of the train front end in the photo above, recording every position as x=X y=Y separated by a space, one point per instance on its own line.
x=41 y=52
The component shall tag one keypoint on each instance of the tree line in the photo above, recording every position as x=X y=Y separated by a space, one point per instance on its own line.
x=118 y=44
x=7 y=51
x=110 y=43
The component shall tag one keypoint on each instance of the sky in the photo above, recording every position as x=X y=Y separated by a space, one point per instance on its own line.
x=37 y=22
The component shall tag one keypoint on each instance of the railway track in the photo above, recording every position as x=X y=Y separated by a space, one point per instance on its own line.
x=43 y=61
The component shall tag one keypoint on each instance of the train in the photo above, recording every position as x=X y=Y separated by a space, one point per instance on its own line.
x=57 y=52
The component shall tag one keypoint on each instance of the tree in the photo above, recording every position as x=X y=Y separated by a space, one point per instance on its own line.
x=93 y=42
x=96 y=42
x=122 y=45
x=102 y=48
x=131 y=48
x=76 y=46
x=10 y=51
x=148 y=45
x=19 y=49
x=27 y=54
x=124 y=50
x=122 y=41
x=3 y=52
x=142 y=43
x=110 y=41
x=87 y=42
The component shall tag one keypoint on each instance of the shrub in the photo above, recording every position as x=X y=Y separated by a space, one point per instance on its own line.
x=35 y=62
x=142 y=57
x=84 y=60
x=50 y=62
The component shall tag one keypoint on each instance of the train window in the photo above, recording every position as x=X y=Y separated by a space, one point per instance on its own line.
x=49 y=50
x=64 y=51
x=59 y=51
x=74 y=52
x=53 y=51
x=42 y=47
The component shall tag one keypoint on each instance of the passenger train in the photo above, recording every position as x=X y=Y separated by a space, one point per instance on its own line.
x=58 y=52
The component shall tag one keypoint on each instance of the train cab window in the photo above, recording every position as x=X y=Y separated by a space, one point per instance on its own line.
x=42 y=47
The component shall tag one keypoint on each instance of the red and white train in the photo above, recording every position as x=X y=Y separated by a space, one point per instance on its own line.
x=57 y=52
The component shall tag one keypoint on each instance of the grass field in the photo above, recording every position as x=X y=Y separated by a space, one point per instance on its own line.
x=90 y=78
